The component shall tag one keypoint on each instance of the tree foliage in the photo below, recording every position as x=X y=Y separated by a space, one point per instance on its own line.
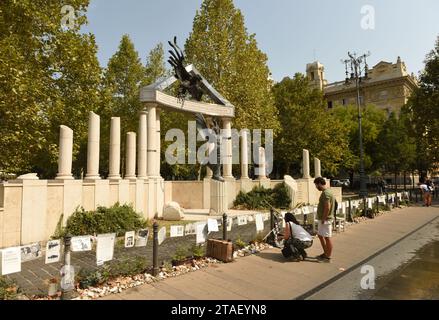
x=422 y=112
x=306 y=124
x=49 y=75
x=228 y=57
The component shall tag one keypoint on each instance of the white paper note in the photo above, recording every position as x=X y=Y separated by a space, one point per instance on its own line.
x=10 y=260
x=53 y=251
x=229 y=224
x=129 y=239
x=190 y=229
x=259 y=222
x=105 y=248
x=369 y=203
x=177 y=231
x=31 y=252
x=212 y=225
x=201 y=229
x=162 y=235
x=142 y=238
x=242 y=220
x=81 y=243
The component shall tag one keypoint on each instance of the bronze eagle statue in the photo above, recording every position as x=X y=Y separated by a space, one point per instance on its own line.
x=192 y=84
x=188 y=83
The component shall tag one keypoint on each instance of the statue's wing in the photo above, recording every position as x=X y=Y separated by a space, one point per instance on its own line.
x=176 y=59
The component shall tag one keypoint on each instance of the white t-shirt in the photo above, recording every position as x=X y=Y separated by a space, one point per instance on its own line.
x=425 y=188
x=299 y=233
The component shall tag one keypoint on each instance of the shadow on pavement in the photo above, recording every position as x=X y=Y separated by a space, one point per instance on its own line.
x=278 y=257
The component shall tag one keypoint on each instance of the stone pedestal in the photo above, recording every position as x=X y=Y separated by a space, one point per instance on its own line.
x=218 y=198
x=114 y=160
x=65 y=153
x=246 y=184
x=93 y=147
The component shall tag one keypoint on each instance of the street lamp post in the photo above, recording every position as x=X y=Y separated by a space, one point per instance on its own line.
x=359 y=72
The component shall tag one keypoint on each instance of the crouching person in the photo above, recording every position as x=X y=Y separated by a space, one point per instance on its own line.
x=297 y=239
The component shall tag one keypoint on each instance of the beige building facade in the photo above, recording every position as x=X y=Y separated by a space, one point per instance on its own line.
x=389 y=85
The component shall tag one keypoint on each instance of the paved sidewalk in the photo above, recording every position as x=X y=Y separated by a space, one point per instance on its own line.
x=267 y=276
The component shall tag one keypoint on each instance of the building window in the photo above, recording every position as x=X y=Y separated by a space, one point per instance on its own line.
x=361 y=100
x=312 y=76
x=329 y=104
x=344 y=102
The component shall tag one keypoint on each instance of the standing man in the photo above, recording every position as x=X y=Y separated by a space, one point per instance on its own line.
x=325 y=212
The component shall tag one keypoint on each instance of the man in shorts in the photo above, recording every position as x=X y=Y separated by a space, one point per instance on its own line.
x=325 y=213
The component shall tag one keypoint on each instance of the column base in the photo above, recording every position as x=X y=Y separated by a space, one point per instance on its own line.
x=115 y=177
x=64 y=177
x=92 y=178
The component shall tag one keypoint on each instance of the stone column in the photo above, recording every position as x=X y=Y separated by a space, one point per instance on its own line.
x=152 y=140
x=65 y=153
x=114 y=160
x=262 y=169
x=317 y=168
x=142 y=147
x=93 y=147
x=227 y=158
x=158 y=142
x=130 y=160
x=244 y=155
x=305 y=164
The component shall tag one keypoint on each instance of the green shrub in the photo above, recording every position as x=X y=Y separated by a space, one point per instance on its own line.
x=197 y=251
x=281 y=196
x=128 y=266
x=239 y=243
x=8 y=289
x=91 y=278
x=118 y=219
x=263 y=198
x=181 y=253
x=125 y=267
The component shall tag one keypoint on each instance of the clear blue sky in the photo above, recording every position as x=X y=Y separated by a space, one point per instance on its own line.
x=291 y=32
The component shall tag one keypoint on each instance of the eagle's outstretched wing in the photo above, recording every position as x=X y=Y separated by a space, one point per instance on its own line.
x=176 y=60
